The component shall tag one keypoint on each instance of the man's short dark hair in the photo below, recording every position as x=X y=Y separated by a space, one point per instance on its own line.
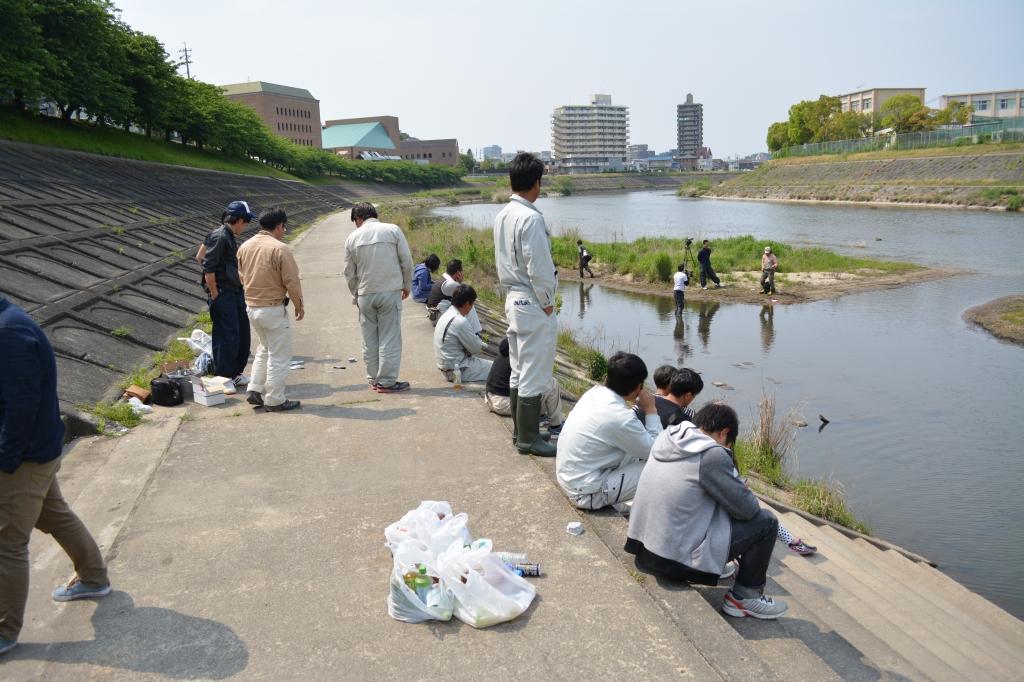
x=232 y=219
x=625 y=373
x=714 y=417
x=682 y=267
x=432 y=262
x=685 y=381
x=462 y=295
x=579 y=242
x=663 y=376
x=223 y=217
x=705 y=241
x=525 y=171
x=363 y=211
x=454 y=266
x=272 y=217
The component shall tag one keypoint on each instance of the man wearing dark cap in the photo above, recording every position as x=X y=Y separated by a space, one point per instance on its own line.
x=31 y=441
x=225 y=296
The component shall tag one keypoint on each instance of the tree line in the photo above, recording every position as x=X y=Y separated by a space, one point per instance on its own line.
x=823 y=120
x=79 y=56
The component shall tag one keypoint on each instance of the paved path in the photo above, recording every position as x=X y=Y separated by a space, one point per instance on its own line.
x=251 y=545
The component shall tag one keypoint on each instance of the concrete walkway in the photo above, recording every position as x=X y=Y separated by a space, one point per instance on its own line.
x=251 y=544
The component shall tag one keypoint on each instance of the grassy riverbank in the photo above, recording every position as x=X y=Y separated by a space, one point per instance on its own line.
x=1003 y=318
x=86 y=137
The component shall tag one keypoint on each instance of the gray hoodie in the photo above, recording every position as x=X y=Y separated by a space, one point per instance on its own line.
x=687 y=494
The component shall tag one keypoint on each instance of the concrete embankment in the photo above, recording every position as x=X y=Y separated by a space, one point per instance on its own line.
x=250 y=545
x=952 y=179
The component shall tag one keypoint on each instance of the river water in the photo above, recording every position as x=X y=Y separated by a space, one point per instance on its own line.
x=927 y=413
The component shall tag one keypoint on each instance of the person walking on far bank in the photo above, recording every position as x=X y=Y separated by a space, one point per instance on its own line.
x=585 y=259
x=769 y=264
x=271 y=278
x=706 y=271
x=679 y=280
x=378 y=268
x=522 y=252
x=225 y=297
x=31 y=441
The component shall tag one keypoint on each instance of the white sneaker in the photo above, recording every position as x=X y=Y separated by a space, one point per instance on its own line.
x=761 y=607
x=704 y=288
x=229 y=388
x=729 y=571
x=240 y=380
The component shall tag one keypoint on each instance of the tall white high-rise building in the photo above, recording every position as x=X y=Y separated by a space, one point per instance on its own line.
x=689 y=127
x=590 y=138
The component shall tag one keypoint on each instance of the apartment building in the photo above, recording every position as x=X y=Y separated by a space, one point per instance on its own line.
x=292 y=113
x=689 y=127
x=997 y=104
x=871 y=101
x=590 y=138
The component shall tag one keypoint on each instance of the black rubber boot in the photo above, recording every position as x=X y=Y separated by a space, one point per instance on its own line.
x=528 y=429
x=513 y=403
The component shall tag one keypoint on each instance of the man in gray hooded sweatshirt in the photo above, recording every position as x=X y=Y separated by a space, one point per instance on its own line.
x=693 y=513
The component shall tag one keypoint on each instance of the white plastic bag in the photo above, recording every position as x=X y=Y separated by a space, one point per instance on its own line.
x=200 y=342
x=431 y=523
x=403 y=602
x=485 y=590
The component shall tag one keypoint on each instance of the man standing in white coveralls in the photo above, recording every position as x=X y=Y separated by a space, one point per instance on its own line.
x=525 y=270
x=378 y=268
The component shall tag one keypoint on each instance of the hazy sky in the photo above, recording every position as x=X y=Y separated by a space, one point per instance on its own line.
x=491 y=73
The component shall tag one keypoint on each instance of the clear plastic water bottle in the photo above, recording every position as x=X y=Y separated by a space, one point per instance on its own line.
x=457 y=378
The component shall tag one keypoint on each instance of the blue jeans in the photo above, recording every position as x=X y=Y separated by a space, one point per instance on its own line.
x=753 y=542
x=230 y=334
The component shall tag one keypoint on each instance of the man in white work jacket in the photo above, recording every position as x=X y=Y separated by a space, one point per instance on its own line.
x=526 y=272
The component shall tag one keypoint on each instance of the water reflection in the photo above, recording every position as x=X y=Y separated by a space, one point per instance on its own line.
x=767 y=316
x=682 y=348
x=707 y=313
x=584 y=298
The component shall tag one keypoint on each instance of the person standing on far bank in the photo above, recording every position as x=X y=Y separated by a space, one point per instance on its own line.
x=769 y=264
x=522 y=252
x=225 y=297
x=31 y=441
x=706 y=271
x=271 y=278
x=585 y=259
x=378 y=268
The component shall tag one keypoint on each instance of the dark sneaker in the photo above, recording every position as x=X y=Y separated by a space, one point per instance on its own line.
x=76 y=589
x=802 y=548
x=283 y=407
x=554 y=431
x=7 y=644
x=254 y=398
x=396 y=387
x=761 y=607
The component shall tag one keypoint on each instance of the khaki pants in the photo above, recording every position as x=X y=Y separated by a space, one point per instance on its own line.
x=472 y=369
x=270 y=368
x=30 y=498
x=380 y=320
x=550 y=404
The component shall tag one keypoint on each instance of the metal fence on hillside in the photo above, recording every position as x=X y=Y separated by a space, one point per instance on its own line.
x=1010 y=129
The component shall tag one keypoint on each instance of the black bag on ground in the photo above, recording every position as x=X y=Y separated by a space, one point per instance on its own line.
x=166 y=391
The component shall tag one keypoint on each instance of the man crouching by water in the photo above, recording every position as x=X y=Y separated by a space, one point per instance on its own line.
x=693 y=513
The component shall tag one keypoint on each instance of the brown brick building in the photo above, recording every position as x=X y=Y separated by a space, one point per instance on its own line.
x=292 y=113
x=444 y=152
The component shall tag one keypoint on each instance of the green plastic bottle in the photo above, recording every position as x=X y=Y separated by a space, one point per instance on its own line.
x=423 y=583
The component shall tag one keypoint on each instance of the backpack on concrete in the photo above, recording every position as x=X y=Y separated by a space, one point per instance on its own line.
x=166 y=391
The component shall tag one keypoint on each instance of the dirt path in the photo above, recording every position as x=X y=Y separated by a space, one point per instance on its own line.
x=802 y=287
x=1002 y=318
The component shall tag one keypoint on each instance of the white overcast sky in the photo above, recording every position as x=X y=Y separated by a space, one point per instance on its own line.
x=491 y=73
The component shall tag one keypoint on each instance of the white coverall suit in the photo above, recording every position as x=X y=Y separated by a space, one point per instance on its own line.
x=457 y=345
x=522 y=252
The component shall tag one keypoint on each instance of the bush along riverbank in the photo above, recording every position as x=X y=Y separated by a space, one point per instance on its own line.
x=579 y=365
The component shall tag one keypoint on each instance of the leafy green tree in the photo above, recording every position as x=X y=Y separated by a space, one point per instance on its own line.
x=467 y=162
x=778 y=136
x=807 y=119
x=845 y=125
x=23 y=56
x=149 y=75
x=955 y=112
x=907 y=114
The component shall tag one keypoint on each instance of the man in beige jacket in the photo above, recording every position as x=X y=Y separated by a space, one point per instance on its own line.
x=270 y=277
x=378 y=269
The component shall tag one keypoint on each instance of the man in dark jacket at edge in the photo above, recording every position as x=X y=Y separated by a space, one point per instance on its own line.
x=693 y=513
x=706 y=271
x=226 y=299
x=31 y=440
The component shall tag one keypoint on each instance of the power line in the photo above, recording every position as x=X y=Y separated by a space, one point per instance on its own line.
x=186 y=59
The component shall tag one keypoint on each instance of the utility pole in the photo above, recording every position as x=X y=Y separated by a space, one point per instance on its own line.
x=186 y=55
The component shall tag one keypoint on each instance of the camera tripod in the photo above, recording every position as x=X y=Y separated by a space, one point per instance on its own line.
x=689 y=256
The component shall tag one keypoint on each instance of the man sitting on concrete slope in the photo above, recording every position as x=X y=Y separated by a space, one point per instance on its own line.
x=693 y=513
x=498 y=393
x=602 y=447
x=456 y=344
x=674 y=396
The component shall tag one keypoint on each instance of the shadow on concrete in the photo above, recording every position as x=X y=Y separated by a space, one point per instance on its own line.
x=149 y=640
x=838 y=654
x=474 y=390
x=357 y=412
